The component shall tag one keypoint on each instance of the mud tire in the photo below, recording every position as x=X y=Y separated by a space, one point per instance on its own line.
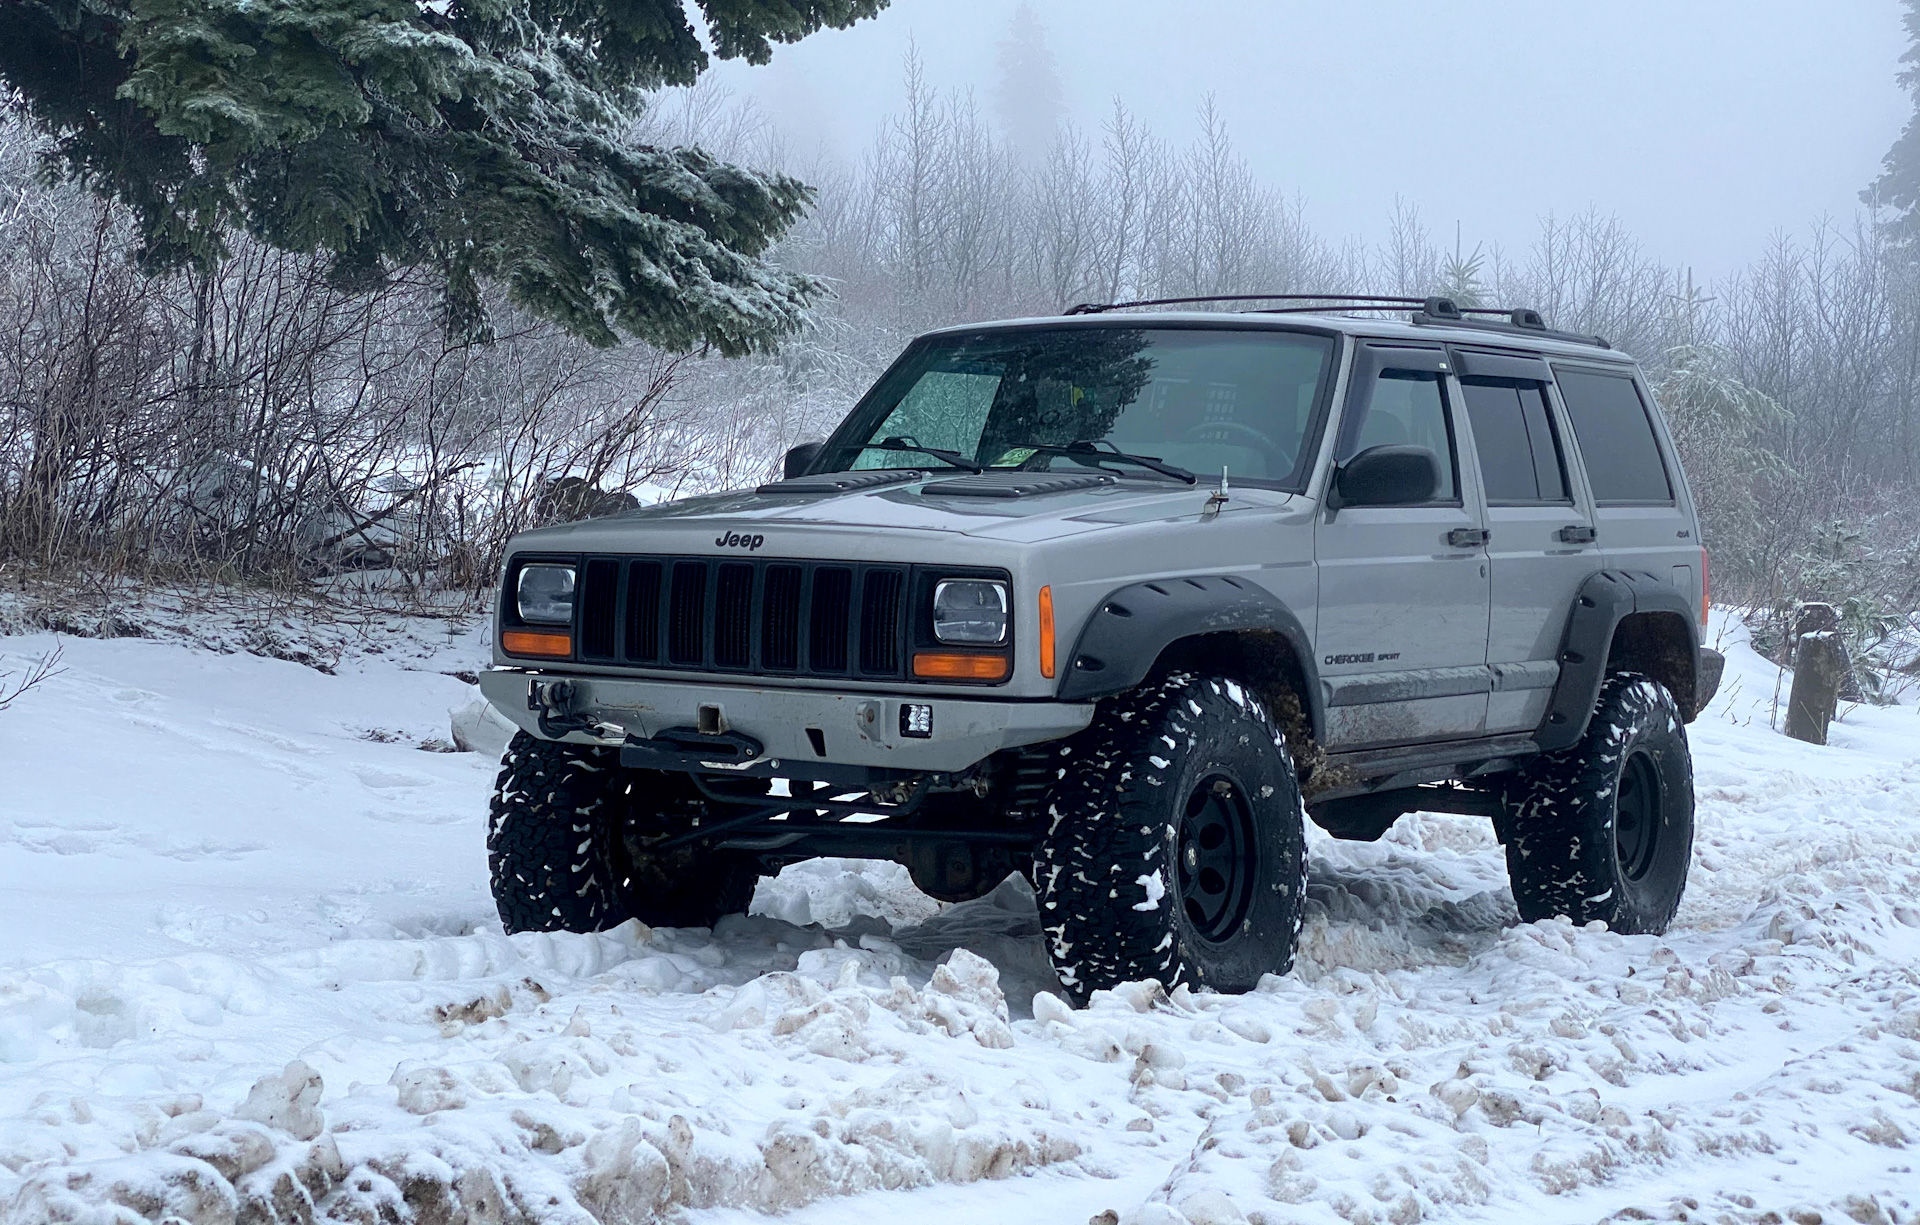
x=1136 y=790
x=1604 y=830
x=559 y=856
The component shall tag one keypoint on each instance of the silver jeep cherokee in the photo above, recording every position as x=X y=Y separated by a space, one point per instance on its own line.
x=1119 y=600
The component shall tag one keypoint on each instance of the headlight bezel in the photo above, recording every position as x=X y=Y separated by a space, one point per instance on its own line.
x=935 y=661
x=518 y=636
x=970 y=638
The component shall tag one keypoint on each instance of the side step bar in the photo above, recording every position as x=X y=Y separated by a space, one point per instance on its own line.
x=1364 y=771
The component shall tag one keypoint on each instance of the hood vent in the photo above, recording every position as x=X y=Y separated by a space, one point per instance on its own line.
x=1016 y=484
x=845 y=482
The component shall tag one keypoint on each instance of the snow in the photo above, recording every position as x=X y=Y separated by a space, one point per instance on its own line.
x=248 y=963
x=1155 y=887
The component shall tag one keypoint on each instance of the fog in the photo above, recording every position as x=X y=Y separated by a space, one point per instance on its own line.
x=1704 y=126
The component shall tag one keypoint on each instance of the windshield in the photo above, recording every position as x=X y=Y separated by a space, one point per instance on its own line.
x=1203 y=399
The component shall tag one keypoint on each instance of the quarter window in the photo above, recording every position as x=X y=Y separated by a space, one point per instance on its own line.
x=1513 y=435
x=1616 y=438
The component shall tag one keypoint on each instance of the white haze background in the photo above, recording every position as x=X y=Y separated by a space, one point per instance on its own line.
x=1705 y=126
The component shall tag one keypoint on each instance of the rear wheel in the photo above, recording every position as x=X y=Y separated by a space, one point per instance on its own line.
x=568 y=845
x=1176 y=849
x=1604 y=830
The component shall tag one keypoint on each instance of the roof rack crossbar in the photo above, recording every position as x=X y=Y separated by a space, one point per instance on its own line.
x=1520 y=322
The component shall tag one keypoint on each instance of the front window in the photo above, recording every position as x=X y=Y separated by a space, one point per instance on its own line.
x=1201 y=399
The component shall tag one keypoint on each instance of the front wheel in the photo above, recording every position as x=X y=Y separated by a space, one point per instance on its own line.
x=1177 y=847
x=1604 y=830
x=569 y=845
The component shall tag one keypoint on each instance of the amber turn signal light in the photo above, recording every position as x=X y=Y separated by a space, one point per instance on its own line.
x=536 y=642
x=945 y=666
x=1046 y=632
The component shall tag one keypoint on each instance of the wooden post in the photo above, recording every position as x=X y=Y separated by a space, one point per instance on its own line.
x=1812 y=618
x=1819 y=666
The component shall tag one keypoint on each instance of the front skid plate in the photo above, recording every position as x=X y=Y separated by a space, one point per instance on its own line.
x=856 y=729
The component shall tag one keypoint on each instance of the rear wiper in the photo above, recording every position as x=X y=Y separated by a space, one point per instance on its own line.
x=1082 y=449
x=952 y=459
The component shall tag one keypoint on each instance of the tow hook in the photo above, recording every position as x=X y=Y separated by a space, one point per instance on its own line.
x=550 y=701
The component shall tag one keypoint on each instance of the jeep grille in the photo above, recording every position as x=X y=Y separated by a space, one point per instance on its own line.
x=795 y=617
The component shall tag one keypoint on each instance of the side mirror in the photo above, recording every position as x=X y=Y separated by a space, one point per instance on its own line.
x=1387 y=476
x=801 y=458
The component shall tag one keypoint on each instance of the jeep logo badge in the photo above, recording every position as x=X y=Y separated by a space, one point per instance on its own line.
x=734 y=540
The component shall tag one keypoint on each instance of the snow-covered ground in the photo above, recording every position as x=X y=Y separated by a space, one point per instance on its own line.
x=248 y=965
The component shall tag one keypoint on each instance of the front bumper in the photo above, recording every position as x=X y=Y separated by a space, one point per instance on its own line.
x=854 y=729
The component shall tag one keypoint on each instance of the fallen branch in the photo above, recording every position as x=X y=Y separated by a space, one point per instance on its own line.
x=45 y=668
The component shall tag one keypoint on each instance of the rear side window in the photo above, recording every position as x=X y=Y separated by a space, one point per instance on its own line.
x=1514 y=437
x=1616 y=437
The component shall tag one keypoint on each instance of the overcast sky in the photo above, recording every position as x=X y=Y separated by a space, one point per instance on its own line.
x=1706 y=125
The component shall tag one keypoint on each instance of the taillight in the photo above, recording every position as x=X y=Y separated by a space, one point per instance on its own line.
x=1706 y=590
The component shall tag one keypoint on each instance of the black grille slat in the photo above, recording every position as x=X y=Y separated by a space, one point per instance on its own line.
x=687 y=614
x=733 y=617
x=599 y=609
x=780 y=619
x=643 y=612
x=880 y=621
x=829 y=619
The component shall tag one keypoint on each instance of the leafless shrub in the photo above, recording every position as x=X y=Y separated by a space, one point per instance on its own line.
x=259 y=424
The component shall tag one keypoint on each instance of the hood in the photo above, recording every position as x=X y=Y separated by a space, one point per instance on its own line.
x=1022 y=507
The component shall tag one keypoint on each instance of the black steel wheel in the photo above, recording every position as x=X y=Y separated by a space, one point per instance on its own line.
x=1604 y=830
x=1177 y=846
x=1636 y=821
x=1218 y=857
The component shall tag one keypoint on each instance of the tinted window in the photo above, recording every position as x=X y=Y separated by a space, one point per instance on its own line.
x=1616 y=437
x=1202 y=398
x=1407 y=407
x=1513 y=435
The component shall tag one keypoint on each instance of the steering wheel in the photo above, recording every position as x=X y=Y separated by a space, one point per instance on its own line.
x=1260 y=440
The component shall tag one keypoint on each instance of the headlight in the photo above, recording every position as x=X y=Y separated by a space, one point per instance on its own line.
x=544 y=595
x=970 y=612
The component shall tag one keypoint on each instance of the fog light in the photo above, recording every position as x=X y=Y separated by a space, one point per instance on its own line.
x=916 y=720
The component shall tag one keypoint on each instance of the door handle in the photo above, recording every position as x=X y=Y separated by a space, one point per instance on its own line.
x=1467 y=537
x=1576 y=533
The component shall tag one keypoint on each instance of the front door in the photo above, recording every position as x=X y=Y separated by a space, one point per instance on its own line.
x=1402 y=635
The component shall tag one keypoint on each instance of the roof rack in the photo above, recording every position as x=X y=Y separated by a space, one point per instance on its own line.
x=1424 y=312
x=1378 y=301
x=1520 y=321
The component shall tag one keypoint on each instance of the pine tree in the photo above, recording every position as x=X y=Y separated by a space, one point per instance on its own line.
x=1898 y=186
x=475 y=140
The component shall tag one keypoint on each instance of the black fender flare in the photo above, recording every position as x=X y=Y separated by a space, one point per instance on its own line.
x=1130 y=628
x=1607 y=598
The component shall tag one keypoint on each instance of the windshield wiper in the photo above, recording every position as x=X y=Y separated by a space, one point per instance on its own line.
x=1082 y=449
x=952 y=459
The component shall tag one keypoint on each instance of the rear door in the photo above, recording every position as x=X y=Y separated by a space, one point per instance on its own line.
x=1402 y=633
x=1639 y=501
x=1541 y=543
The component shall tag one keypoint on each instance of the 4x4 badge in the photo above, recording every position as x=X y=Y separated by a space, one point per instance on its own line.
x=734 y=540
